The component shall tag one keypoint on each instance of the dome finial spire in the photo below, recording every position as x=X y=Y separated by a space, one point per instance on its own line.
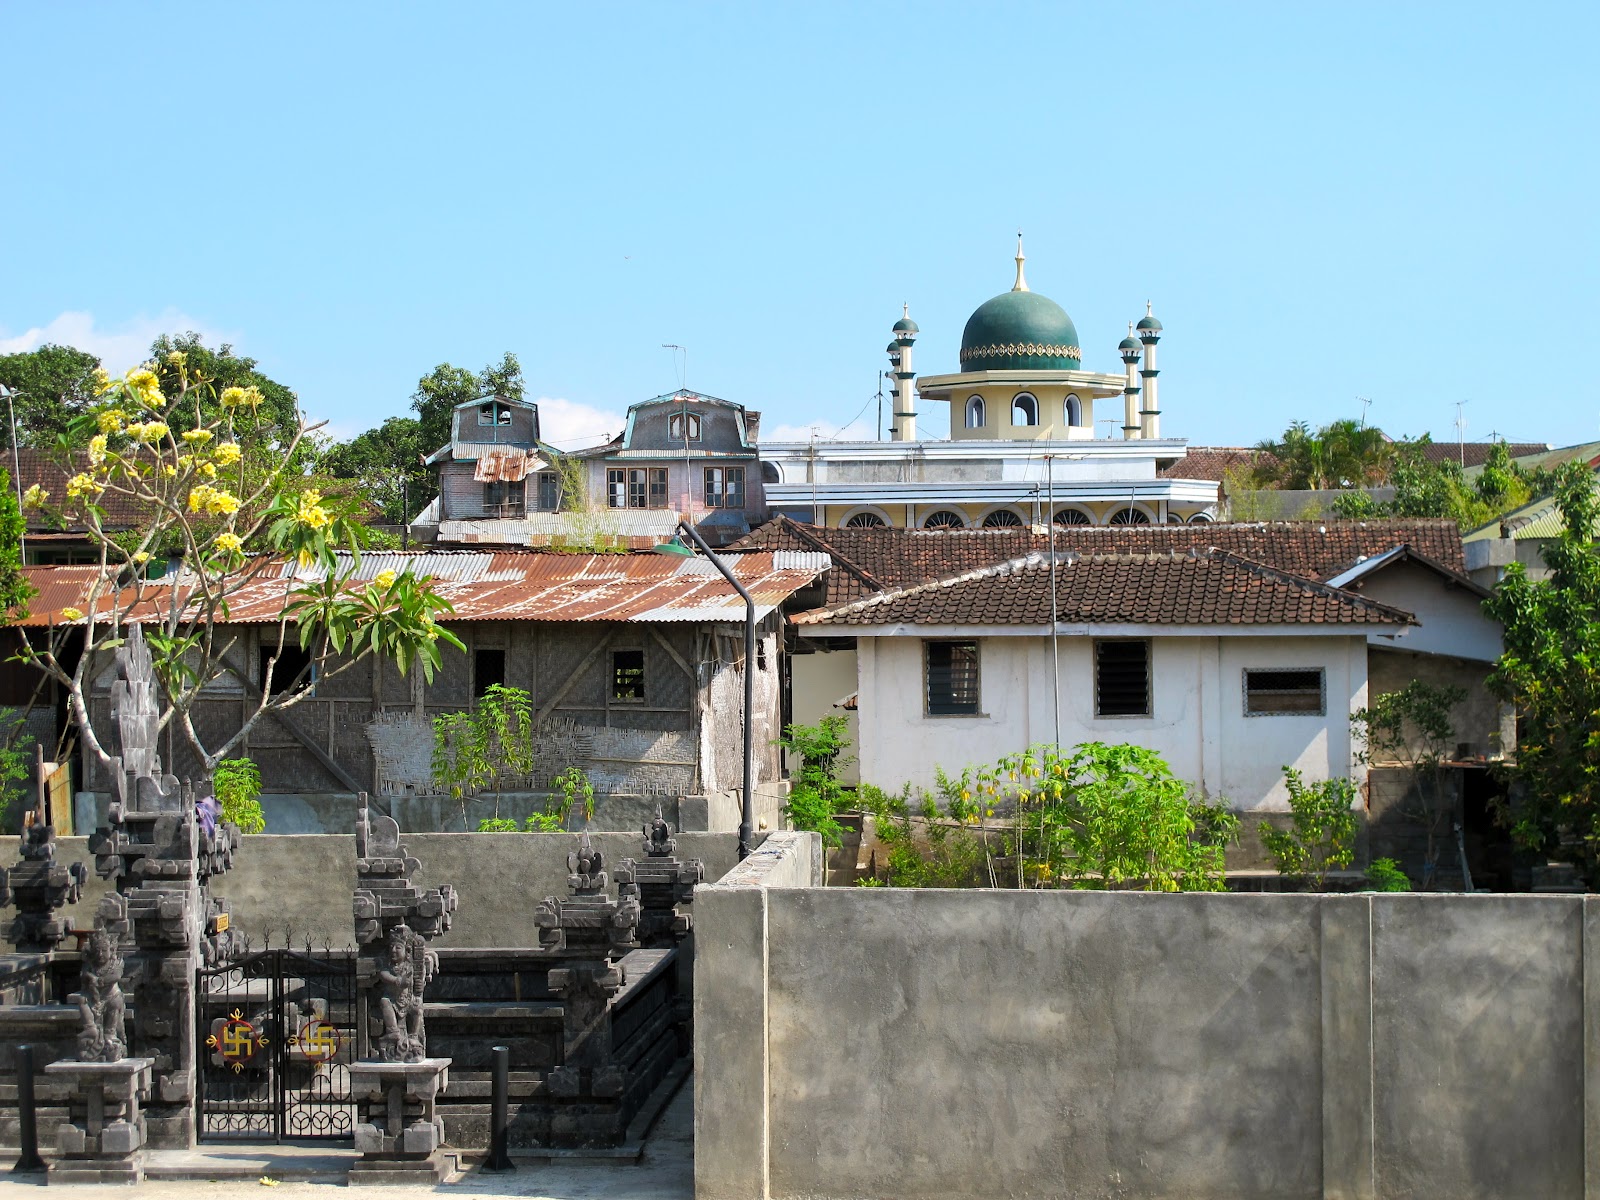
x=905 y=308
x=1021 y=285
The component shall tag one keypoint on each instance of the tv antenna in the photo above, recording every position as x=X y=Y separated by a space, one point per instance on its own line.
x=683 y=370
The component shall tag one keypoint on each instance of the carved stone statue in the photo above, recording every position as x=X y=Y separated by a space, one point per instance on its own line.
x=101 y=1006
x=401 y=979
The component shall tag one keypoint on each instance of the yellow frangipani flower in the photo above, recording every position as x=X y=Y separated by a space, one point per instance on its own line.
x=72 y=614
x=169 y=470
x=97 y=449
x=34 y=496
x=150 y=431
x=232 y=397
x=199 y=496
x=175 y=358
x=228 y=543
x=142 y=382
x=209 y=470
x=110 y=421
x=310 y=512
x=197 y=436
x=227 y=453
x=221 y=503
x=141 y=557
x=80 y=485
x=384 y=579
x=252 y=397
x=102 y=381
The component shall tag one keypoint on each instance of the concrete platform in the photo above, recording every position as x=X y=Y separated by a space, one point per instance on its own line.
x=662 y=1169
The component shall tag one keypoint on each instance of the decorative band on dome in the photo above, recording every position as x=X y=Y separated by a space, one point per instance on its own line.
x=1020 y=350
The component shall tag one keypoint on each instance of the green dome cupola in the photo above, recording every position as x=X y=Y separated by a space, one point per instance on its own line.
x=1020 y=330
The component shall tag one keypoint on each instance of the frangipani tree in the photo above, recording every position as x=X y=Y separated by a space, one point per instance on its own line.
x=215 y=480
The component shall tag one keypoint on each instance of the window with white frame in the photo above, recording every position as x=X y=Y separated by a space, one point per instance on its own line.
x=1024 y=409
x=975 y=412
x=1074 y=410
x=724 y=487
x=684 y=426
x=1272 y=691
x=494 y=414
x=636 y=487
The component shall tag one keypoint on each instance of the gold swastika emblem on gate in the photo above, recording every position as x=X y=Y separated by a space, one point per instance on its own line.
x=317 y=1040
x=235 y=1040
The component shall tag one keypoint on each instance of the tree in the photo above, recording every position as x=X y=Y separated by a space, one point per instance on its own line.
x=54 y=384
x=486 y=748
x=1550 y=670
x=386 y=463
x=1339 y=455
x=214 y=473
x=177 y=357
x=443 y=388
x=1322 y=828
x=816 y=797
x=1412 y=729
x=15 y=590
x=1426 y=487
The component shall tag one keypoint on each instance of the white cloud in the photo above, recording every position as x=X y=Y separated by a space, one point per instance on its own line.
x=574 y=426
x=119 y=347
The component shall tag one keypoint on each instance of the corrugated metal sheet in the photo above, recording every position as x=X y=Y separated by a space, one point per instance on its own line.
x=505 y=586
x=541 y=528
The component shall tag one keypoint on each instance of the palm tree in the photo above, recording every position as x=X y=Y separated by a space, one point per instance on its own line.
x=1339 y=455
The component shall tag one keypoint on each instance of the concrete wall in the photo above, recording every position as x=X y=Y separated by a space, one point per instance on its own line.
x=817 y=682
x=300 y=887
x=1197 y=724
x=924 y=1045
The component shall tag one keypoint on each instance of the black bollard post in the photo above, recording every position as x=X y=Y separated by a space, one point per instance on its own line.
x=500 y=1113
x=27 y=1115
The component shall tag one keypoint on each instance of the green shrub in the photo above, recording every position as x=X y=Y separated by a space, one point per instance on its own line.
x=1385 y=875
x=237 y=783
x=1322 y=832
x=816 y=797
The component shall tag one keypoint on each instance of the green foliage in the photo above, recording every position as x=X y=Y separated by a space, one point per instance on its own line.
x=54 y=384
x=816 y=796
x=15 y=591
x=1104 y=817
x=1412 y=728
x=1440 y=488
x=16 y=769
x=440 y=390
x=486 y=747
x=1551 y=671
x=1322 y=832
x=570 y=789
x=1385 y=875
x=1342 y=454
x=237 y=783
x=386 y=463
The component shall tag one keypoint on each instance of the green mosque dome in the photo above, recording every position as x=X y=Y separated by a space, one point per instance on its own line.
x=1020 y=330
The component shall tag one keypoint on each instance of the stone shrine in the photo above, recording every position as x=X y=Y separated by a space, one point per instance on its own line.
x=395 y=1085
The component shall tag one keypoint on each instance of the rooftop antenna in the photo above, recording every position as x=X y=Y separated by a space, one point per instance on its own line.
x=16 y=464
x=880 y=406
x=1366 y=403
x=1111 y=421
x=1461 y=432
x=683 y=371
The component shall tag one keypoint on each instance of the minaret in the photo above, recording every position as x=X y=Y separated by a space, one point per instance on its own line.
x=1150 y=333
x=1129 y=348
x=903 y=426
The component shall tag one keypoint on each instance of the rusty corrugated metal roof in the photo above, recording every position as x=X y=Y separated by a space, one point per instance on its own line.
x=503 y=586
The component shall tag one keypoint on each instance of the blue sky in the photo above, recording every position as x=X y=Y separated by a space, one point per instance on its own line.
x=1324 y=202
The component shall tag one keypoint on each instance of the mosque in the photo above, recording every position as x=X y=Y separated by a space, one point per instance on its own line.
x=1022 y=449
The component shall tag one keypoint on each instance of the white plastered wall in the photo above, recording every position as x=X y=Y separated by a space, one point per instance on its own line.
x=1197 y=723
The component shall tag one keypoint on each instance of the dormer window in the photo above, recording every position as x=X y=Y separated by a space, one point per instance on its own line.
x=681 y=421
x=494 y=413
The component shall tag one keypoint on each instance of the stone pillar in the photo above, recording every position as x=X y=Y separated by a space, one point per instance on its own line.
x=395 y=1085
x=161 y=845
x=586 y=930
x=104 y=1136
x=664 y=883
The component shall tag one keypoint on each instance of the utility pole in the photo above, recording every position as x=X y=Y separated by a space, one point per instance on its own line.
x=1461 y=432
x=1366 y=403
x=1055 y=632
x=16 y=468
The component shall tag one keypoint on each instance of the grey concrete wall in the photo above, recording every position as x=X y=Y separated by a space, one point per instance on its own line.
x=300 y=886
x=934 y=1044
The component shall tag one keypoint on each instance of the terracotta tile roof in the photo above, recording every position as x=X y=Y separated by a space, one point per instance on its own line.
x=1212 y=462
x=1198 y=587
x=874 y=560
x=39 y=467
x=502 y=586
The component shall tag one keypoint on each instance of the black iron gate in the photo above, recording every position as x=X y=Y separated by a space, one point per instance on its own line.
x=277 y=1033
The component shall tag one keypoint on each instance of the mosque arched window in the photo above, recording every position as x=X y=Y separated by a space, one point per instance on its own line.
x=1024 y=409
x=1072 y=516
x=1074 y=408
x=1130 y=516
x=1002 y=518
x=976 y=418
x=866 y=520
x=943 y=519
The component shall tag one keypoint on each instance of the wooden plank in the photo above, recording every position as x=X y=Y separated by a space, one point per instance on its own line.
x=300 y=735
